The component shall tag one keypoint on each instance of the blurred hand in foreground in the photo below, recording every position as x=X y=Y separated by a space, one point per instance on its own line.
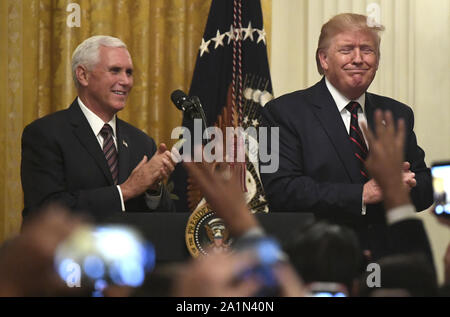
x=26 y=261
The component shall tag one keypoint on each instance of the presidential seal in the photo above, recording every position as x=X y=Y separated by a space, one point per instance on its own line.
x=206 y=233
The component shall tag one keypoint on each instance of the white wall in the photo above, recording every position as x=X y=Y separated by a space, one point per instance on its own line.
x=414 y=68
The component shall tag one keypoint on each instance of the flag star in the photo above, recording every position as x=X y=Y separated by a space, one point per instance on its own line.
x=261 y=36
x=261 y=198
x=218 y=39
x=204 y=47
x=255 y=122
x=248 y=32
x=245 y=119
x=230 y=34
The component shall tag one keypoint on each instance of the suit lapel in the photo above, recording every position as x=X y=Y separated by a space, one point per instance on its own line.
x=373 y=103
x=369 y=110
x=327 y=113
x=124 y=151
x=85 y=135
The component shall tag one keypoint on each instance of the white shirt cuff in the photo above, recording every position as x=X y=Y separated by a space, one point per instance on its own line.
x=400 y=213
x=363 y=207
x=153 y=201
x=255 y=232
x=121 y=198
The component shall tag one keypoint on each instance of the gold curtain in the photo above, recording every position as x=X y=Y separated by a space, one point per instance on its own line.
x=36 y=46
x=36 y=43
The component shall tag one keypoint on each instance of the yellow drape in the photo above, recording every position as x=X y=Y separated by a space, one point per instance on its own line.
x=36 y=44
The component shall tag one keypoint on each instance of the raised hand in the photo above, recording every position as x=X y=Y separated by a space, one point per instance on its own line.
x=222 y=190
x=385 y=162
x=216 y=276
x=27 y=261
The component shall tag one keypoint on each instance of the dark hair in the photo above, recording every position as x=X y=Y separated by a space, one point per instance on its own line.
x=412 y=273
x=323 y=252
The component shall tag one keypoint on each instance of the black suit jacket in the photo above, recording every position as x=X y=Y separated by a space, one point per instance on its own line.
x=409 y=236
x=63 y=162
x=317 y=168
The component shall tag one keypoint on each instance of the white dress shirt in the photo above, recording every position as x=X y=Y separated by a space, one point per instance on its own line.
x=342 y=101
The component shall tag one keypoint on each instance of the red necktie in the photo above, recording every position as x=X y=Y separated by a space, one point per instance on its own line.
x=109 y=149
x=357 y=139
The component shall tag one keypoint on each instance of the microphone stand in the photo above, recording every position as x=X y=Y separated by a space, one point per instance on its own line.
x=201 y=115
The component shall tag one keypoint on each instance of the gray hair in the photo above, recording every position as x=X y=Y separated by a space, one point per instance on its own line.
x=87 y=53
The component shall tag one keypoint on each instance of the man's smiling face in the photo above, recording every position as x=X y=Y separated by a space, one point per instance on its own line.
x=351 y=61
x=110 y=81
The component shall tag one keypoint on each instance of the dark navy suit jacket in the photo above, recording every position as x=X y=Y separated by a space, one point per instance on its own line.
x=63 y=162
x=317 y=168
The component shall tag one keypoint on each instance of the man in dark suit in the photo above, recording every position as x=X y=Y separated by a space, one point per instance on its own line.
x=85 y=157
x=321 y=147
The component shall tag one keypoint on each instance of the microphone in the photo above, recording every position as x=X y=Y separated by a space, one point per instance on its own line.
x=182 y=102
x=190 y=106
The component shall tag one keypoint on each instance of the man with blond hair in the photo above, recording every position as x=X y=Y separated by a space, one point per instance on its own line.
x=321 y=147
x=85 y=157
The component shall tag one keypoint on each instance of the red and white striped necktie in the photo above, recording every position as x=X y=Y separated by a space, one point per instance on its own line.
x=357 y=139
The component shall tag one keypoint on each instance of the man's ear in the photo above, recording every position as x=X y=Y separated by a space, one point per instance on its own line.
x=378 y=60
x=323 y=59
x=82 y=75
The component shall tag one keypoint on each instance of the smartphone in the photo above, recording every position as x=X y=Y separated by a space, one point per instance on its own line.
x=97 y=256
x=440 y=171
x=267 y=253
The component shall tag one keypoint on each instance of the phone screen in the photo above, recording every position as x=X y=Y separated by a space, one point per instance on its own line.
x=327 y=289
x=328 y=294
x=441 y=185
x=104 y=255
x=268 y=254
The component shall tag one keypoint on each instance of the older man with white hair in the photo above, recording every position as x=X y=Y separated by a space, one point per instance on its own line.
x=85 y=157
